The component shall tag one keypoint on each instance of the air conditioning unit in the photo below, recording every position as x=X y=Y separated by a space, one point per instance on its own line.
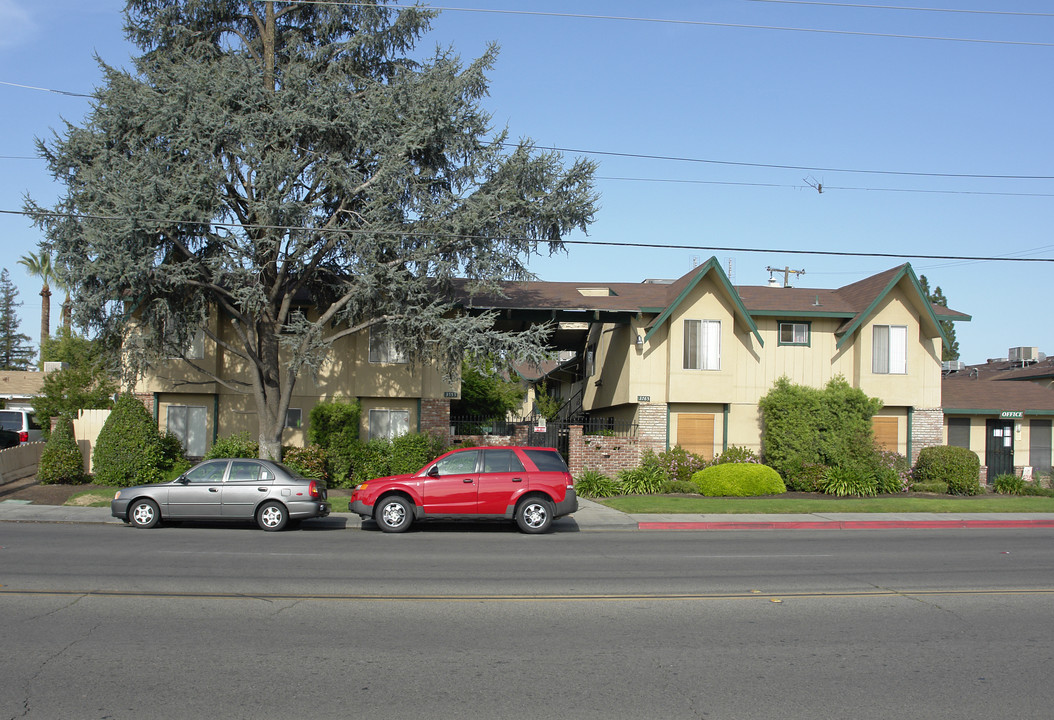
x=53 y=366
x=1024 y=354
x=953 y=365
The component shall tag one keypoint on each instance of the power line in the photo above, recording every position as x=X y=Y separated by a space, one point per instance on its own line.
x=597 y=243
x=706 y=23
x=908 y=8
x=825 y=187
x=33 y=87
x=675 y=158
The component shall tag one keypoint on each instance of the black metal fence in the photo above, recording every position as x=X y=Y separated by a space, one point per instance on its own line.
x=534 y=431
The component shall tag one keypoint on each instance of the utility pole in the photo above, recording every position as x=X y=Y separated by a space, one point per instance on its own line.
x=786 y=274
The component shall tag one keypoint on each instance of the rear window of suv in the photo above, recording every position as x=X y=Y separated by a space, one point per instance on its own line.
x=547 y=460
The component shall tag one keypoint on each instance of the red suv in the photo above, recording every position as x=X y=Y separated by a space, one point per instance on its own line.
x=529 y=484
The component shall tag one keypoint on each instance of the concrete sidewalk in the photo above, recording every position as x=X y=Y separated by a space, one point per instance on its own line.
x=592 y=516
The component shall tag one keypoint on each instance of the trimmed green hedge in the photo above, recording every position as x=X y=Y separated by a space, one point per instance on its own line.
x=61 y=460
x=128 y=450
x=957 y=466
x=738 y=480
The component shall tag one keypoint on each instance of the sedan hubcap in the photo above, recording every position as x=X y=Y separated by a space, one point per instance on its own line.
x=143 y=514
x=393 y=514
x=534 y=515
x=271 y=516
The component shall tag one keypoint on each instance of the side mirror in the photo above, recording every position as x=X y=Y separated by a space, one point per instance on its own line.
x=433 y=471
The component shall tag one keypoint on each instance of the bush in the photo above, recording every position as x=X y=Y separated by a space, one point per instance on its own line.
x=892 y=471
x=803 y=426
x=61 y=460
x=309 y=461
x=738 y=480
x=1037 y=489
x=1008 y=484
x=593 y=483
x=682 y=487
x=676 y=463
x=380 y=458
x=173 y=458
x=956 y=466
x=235 y=446
x=938 y=487
x=334 y=422
x=805 y=477
x=843 y=481
x=643 y=480
x=128 y=450
x=736 y=454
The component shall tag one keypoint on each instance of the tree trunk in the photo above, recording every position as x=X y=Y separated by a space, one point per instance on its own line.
x=45 y=314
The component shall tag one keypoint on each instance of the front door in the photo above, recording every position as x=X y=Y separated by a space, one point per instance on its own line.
x=999 y=448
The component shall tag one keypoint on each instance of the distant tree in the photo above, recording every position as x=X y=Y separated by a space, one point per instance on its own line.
x=486 y=393
x=15 y=351
x=40 y=266
x=86 y=382
x=951 y=348
x=261 y=153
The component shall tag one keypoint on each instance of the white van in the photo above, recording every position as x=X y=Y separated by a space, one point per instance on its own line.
x=23 y=422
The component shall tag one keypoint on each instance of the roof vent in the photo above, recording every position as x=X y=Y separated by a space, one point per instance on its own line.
x=596 y=291
x=1024 y=354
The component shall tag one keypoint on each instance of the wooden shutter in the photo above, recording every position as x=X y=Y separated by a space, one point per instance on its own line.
x=695 y=433
x=887 y=432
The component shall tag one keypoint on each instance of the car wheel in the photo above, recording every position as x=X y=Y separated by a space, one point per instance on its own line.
x=394 y=514
x=144 y=514
x=534 y=515
x=272 y=516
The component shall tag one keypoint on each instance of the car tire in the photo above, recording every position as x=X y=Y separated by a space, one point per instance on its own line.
x=144 y=514
x=534 y=515
x=394 y=514
x=272 y=516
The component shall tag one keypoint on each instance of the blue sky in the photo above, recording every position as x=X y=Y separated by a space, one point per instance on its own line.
x=739 y=105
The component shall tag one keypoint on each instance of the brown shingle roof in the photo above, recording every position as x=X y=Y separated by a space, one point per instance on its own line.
x=966 y=390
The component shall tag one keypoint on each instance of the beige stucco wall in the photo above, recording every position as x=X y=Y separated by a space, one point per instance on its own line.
x=347 y=373
x=627 y=372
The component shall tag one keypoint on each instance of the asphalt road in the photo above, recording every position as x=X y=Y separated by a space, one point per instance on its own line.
x=196 y=621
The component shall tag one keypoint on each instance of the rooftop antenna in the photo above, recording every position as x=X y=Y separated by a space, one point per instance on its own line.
x=786 y=275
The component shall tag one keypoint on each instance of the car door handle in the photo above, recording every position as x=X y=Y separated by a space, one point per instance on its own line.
x=214 y=489
x=467 y=480
x=262 y=489
x=517 y=479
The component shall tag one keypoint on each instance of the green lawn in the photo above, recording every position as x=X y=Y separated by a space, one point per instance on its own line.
x=813 y=504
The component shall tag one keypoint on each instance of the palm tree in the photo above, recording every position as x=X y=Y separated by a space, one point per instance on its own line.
x=40 y=266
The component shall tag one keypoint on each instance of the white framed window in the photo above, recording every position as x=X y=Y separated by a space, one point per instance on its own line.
x=794 y=333
x=382 y=349
x=294 y=418
x=889 y=351
x=702 y=344
x=189 y=424
x=193 y=350
x=389 y=424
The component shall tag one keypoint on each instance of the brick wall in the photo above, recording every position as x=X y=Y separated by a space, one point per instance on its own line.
x=599 y=452
x=927 y=430
x=651 y=426
x=435 y=417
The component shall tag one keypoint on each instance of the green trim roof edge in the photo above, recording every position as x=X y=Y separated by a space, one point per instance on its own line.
x=710 y=266
x=905 y=271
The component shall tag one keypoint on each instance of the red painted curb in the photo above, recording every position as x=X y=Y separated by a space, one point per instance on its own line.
x=845 y=525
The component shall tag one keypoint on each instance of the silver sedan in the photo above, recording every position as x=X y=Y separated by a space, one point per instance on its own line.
x=225 y=489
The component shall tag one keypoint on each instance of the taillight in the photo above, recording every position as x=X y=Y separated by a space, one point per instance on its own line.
x=23 y=436
x=312 y=490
